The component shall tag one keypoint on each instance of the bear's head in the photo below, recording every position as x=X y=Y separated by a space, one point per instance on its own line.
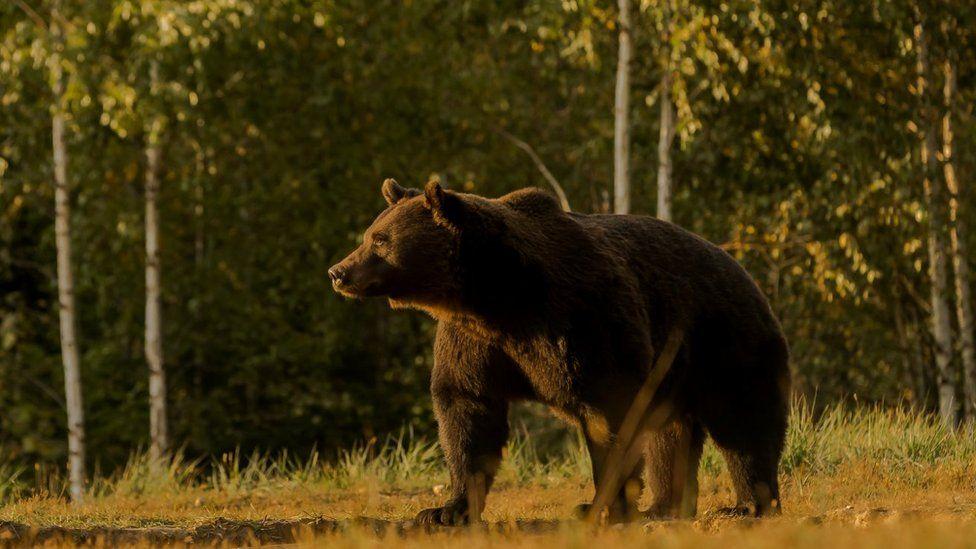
x=450 y=253
x=406 y=253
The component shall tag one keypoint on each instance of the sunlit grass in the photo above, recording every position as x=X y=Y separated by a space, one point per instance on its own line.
x=818 y=444
x=840 y=457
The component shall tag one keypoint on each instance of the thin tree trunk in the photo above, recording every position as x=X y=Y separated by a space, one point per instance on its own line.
x=666 y=135
x=958 y=237
x=198 y=257
x=159 y=443
x=924 y=355
x=935 y=202
x=198 y=208
x=906 y=345
x=66 y=294
x=621 y=131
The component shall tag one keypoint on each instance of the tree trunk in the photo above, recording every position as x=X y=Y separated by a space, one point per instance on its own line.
x=66 y=295
x=958 y=238
x=621 y=132
x=924 y=356
x=935 y=202
x=666 y=135
x=909 y=352
x=199 y=251
x=159 y=442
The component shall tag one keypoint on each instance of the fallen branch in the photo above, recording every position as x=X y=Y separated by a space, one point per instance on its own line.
x=626 y=450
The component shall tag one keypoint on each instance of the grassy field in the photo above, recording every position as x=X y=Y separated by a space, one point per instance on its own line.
x=850 y=478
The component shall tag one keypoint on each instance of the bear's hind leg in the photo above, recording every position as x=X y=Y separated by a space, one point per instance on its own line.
x=624 y=505
x=751 y=434
x=754 y=478
x=672 y=455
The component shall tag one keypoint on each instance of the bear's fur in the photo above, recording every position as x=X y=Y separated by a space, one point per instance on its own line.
x=571 y=310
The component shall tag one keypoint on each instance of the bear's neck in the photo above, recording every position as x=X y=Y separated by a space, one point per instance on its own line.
x=517 y=274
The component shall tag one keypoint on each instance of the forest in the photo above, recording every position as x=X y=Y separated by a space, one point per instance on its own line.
x=176 y=177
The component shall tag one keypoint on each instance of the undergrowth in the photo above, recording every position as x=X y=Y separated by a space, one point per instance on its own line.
x=897 y=441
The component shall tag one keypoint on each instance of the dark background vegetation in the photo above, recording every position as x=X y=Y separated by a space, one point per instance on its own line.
x=797 y=148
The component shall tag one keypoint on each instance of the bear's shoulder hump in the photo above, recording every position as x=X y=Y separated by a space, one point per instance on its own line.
x=532 y=201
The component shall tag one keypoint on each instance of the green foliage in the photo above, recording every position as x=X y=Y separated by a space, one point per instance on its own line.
x=278 y=120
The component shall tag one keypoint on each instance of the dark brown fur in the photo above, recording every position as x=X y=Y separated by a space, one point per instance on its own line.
x=569 y=310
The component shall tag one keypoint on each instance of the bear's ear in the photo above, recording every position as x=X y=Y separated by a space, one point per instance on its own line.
x=393 y=192
x=446 y=206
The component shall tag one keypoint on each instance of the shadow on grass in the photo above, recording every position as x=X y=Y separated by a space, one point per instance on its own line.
x=238 y=532
x=224 y=532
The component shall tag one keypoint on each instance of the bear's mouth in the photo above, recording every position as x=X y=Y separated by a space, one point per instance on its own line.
x=356 y=291
x=344 y=291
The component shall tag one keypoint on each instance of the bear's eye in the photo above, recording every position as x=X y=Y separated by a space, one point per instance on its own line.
x=380 y=240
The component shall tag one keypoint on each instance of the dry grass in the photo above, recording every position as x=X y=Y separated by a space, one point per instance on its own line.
x=864 y=478
x=773 y=535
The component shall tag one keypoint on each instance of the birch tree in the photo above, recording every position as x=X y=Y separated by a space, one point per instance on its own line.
x=621 y=129
x=935 y=203
x=959 y=242
x=66 y=296
x=159 y=442
x=666 y=133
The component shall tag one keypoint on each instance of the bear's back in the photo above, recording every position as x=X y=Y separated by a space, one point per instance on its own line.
x=680 y=269
x=680 y=274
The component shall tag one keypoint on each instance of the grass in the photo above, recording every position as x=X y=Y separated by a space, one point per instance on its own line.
x=839 y=466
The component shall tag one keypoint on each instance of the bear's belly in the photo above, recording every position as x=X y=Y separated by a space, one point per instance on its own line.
x=552 y=376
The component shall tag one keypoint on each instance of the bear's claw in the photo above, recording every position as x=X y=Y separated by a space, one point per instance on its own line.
x=451 y=514
x=582 y=510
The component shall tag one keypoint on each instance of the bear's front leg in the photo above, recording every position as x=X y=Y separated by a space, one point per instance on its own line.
x=472 y=433
x=471 y=403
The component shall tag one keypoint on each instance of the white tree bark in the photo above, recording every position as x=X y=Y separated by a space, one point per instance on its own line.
x=621 y=110
x=666 y=134
x=159 y=440
x=941 y=322
x=958 y=238
x=66 y=295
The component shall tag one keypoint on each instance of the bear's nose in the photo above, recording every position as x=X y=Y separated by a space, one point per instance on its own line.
x=336 y=273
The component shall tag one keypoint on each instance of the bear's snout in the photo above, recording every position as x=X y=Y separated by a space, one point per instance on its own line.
x=337 y=274
x=351 y=279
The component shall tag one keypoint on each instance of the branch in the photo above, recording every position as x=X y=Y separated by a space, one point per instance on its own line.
x=538 y=164
x=28 y=264
x=910 y=289
x=46 y=389
x=38 y=20
x=641 y=417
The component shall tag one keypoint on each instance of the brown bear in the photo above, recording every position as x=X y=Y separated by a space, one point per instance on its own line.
x=570 y=310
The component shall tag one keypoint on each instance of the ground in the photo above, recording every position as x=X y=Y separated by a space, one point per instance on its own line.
x=862 y=478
